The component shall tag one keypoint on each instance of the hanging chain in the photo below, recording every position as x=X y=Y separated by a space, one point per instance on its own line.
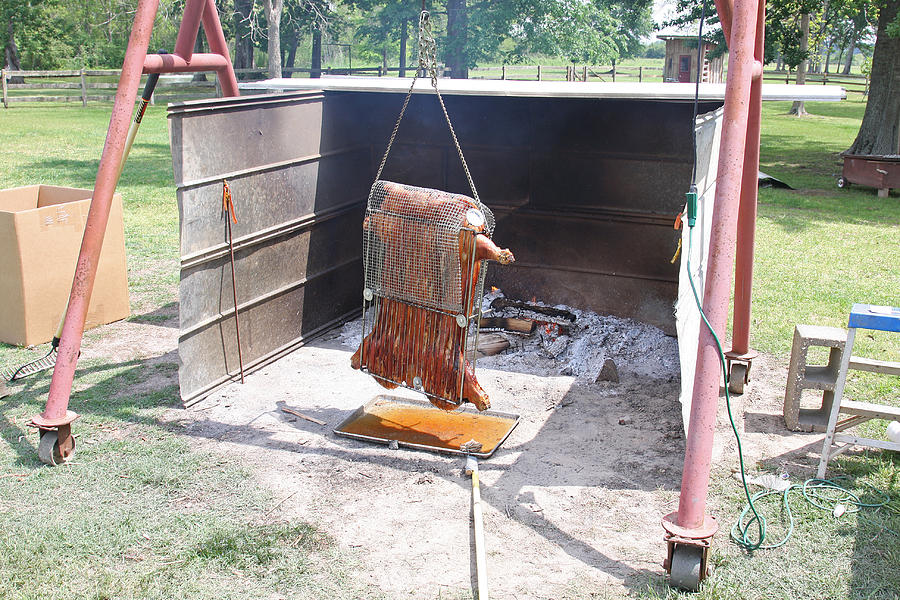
x=428 y=64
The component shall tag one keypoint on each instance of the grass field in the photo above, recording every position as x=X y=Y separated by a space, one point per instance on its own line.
x=140 y=514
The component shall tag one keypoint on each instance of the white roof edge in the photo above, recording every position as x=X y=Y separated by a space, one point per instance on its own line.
x=546 y=89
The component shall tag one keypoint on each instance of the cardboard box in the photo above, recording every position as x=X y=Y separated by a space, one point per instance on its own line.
x=41 y=227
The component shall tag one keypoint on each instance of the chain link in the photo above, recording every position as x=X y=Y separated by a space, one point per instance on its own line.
x=428 y=64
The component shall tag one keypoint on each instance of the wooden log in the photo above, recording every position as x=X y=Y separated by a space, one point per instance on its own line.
x=512 y=324
x=491 y=344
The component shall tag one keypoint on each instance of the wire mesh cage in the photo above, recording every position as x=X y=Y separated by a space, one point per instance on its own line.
x=423 y=290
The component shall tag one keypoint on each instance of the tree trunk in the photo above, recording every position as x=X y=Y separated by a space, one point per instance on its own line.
x=11 y=53
x=198 y=49
x=457 y=20
x=780 y=65
x=878 y=133
x=828 y=50
x=243 y=45
x=404 y=33
x=273 y=21
x=315 y=63
x=849 y=63
x=799 y=108
x=292 y=51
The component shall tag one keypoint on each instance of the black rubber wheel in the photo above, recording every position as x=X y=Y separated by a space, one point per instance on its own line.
x=737 y=378
x=842 y=183
x=49 y=452
x=685 y=573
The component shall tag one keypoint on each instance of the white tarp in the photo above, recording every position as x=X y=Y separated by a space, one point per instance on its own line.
x=708 y=131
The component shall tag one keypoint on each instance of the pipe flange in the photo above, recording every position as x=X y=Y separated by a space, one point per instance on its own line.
x=42 y=422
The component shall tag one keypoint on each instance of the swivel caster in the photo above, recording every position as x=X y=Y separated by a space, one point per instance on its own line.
x=686 y=567
x=737 y=377
x=50 y=452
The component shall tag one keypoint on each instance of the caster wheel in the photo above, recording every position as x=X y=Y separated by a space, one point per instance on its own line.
x=737 y=378
x=49 y=451
x=685 y=573
x=842 y=183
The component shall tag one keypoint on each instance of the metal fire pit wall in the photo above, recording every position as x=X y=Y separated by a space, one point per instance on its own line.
x=299 y=171
x=585 y=189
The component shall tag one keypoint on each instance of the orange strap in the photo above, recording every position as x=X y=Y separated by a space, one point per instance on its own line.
x=227 y=204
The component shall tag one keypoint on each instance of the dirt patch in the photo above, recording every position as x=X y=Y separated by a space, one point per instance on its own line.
x=573 y=499
x=574 y=496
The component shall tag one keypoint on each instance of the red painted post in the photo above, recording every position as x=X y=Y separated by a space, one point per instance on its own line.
x=56 y=412
x=746 y=232
x=690 y=525
x=190 y=27
x=708 y=376
x=172 y=63
x=217 y=44
x=725 y=10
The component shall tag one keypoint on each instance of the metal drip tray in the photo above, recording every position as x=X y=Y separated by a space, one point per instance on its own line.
x=417 y=424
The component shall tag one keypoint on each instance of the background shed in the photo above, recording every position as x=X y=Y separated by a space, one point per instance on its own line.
x=681 y=60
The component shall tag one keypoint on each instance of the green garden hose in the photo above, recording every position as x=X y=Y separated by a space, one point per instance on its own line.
x=825 y=494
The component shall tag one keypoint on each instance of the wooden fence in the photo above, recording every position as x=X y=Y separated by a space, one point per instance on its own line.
x=88 y=85
x=851 y=83
x=568 y=73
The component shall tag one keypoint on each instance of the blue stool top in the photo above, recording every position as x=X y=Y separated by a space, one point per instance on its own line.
x=868 y=316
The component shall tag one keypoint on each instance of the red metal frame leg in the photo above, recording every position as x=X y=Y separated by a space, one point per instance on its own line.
x=746 y=232
x=56 y=413
x=217 y=44
x=690 y=525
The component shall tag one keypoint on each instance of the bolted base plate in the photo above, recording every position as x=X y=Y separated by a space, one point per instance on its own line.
x=705 y=531
x=42 y=422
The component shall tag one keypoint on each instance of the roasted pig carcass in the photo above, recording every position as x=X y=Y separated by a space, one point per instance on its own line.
x=425 y=248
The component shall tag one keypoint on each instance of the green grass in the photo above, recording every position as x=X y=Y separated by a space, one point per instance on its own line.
x=62 y=146
x=820 y=248
x=140 y=514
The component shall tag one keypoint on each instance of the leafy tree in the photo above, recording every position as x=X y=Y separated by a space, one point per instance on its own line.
x=880 y=127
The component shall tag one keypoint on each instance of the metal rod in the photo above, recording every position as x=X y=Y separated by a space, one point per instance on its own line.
x=229 y=215
x=174 y=63
x=215 y=36
x=746 y=227
x=707 y=379
x=725 y=10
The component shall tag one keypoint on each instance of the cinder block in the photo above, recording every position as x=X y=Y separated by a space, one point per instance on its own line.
x=815 y=377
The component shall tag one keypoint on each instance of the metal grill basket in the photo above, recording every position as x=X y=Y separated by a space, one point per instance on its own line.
x=423 y=287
